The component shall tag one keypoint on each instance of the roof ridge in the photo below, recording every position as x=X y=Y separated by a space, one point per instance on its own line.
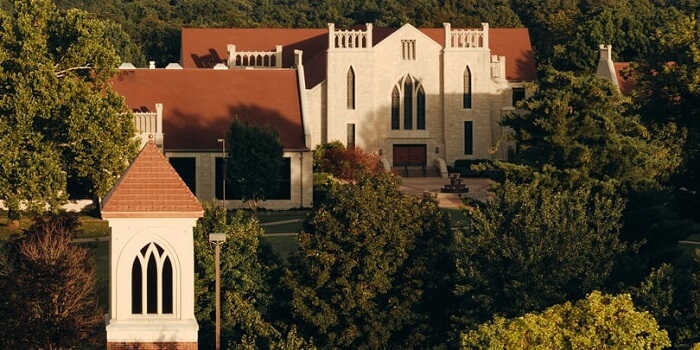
x=150 y=187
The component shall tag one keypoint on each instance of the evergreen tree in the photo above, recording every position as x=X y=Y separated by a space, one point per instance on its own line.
x=581 y=131
x=254 y=160
x=669 y=93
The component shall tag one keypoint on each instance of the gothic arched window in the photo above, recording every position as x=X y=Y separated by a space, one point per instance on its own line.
x=467 y=98
x=409 y=93
x=152 y=281
x=351 y=88
x=395 y=109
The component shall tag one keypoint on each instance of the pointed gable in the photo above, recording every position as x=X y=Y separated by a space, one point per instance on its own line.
x=150 y=188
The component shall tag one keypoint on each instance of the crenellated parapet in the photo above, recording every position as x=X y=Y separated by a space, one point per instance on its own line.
x=466 y=38
x=349 y=39
x=254 y=59
x=498 y=68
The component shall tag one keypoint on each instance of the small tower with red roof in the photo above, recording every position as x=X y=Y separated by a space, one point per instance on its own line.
x=151 y=214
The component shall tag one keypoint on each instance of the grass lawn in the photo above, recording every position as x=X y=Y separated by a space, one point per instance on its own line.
x=283 y=245
x=457 y=217
x=92 y=226
x=102 y=260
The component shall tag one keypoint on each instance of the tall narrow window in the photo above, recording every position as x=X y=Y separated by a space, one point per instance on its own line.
x=395 y=109
x=350 y=136
x=136 y=288
x=467 y=98
x=152 y=286
x=468 y=137
x=152 y=281
x=351 y=88
x=167 y=287
x=408 y=103
x=420 y=104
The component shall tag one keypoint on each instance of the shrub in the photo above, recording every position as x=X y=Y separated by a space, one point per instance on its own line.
x=344 y=163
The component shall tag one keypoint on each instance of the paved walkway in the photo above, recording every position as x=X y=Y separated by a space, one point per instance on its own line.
x=478 y=189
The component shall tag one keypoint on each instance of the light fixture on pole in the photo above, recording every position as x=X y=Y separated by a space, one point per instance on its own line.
x=223 y=172
x=217 y=239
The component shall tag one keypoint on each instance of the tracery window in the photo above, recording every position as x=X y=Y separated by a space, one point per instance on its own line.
x=408 y=105
x=152 y=281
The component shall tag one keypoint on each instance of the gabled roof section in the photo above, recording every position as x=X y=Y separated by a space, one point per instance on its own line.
x=150 y=188
x=379 y=35
x=205 y=47
x=513 y=43
x=627 y=84
x=199 y=104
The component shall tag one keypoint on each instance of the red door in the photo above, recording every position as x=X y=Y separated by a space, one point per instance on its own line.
x=409 y=155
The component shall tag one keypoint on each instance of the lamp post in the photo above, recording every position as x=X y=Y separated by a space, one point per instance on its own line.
x=217 y=239
x=223 y=172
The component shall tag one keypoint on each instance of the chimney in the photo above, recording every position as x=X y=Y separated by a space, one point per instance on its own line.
x=606 y=66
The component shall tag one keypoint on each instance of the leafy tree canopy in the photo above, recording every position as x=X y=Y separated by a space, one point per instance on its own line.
x=254 y=160
x=669 y=92
x=59 y=119
x=249 y=276
x=531 y=247
x=371 y=268
x=598 y=322
x=672 y=295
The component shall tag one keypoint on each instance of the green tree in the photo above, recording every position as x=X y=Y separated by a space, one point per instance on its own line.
x=254 y=160
x=249 y=275
x=669 y=92
x=598 y=322
x=372 y=269
x=49 y=288
x=582 y=131
x=581 y=123
x=625 y=25
x=531 y=247
x=59 y=119
x=672 y=295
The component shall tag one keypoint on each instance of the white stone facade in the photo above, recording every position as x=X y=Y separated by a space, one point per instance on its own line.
x=439 y=70
x=128 y=237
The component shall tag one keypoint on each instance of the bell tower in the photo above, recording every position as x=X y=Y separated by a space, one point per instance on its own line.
x=151 y=214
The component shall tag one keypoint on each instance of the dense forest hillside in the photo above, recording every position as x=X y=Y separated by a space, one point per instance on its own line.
x=564 y=33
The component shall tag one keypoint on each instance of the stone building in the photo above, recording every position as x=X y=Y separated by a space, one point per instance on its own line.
x=418 y=97
x=151 y=214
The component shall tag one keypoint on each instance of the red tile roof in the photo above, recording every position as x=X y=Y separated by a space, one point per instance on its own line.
x=150 y=188
x=514 y=43
x=626 y=84
x=204 y=47
x=199 y=104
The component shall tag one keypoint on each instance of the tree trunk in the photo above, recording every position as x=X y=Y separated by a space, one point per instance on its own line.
x=13 y=216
